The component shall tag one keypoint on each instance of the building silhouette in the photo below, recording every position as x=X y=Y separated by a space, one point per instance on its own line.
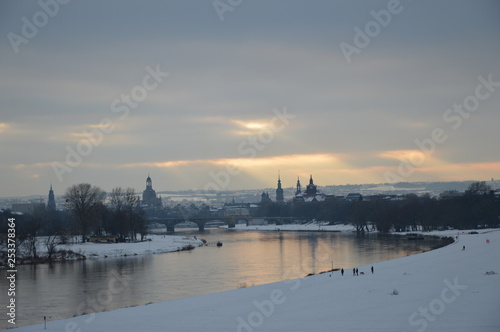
x=311 y=194
x=149 y=195
x=298 y=191
x=311 y=189
x=51 y=203
x=264 y=198
x=279 y=191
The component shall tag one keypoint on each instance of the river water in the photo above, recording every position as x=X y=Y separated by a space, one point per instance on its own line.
x=247 y=258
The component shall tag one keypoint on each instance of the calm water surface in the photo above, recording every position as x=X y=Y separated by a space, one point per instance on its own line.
x=247 y=258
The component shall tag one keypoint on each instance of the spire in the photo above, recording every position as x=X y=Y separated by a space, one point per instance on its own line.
x=299 y=188
x=311 y=189
x=51 y=203
x=149 y=183
x=279 y=191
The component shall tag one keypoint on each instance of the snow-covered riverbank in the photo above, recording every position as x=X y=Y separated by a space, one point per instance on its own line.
x=158 y=244
x=448 y=289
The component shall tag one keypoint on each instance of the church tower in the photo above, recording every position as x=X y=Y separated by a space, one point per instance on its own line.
x=311 y=188
x=51 y=204
x=279 y=191
x=149 y=195
x=299 y=188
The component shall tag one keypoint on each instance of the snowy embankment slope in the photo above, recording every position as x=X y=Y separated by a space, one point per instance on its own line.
x=159 y=244
x=447 y=289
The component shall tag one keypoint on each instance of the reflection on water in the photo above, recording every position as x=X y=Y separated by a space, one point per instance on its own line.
x=64 y=290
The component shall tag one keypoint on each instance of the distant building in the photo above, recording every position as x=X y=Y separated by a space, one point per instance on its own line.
x=354 y=197
x=311 y=194
x=149 y=195
x=28 y=208
x=51 y=203
x=279 y=192
x=235 y=209
x=298 y=190
x=264 y=198
x=311 y=189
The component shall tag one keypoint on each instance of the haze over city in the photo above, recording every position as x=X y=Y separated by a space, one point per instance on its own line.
x=207 y=97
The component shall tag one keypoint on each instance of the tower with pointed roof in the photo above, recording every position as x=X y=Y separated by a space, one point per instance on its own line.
x=149 y=195
x=279 y=191
x=51 y=203
x=311 y=194
x=311 y=189
x=299 y=188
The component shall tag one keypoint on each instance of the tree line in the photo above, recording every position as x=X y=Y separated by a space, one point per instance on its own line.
x=477 y=207
x=85 y=213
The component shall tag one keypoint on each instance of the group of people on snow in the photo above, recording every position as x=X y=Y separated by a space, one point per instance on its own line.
x=355 y=271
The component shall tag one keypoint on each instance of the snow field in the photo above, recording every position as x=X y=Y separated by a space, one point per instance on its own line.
x=447 y=289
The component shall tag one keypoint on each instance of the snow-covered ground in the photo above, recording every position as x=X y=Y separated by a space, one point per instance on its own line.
x=159 y=244
x=448 y=289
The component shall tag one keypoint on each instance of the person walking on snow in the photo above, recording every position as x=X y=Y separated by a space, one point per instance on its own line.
x=342 y=271
x=372 y=269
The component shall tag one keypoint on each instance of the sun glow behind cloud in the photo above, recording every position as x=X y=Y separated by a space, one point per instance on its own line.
x=326 y=168
x=253 y=125
x=3 y=127
x=354 y=122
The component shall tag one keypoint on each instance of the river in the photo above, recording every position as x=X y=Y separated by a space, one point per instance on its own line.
x=247 y=258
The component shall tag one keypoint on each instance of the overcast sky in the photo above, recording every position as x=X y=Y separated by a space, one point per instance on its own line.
x=224 y=96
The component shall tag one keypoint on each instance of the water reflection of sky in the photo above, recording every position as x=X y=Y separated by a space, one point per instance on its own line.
x=246 y=258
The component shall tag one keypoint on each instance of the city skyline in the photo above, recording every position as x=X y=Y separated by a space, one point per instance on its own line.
x=206 y=97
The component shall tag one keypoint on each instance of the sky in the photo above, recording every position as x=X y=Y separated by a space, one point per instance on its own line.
x=216 y=95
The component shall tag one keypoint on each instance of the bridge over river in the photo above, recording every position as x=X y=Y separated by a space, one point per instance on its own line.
x=231 y=221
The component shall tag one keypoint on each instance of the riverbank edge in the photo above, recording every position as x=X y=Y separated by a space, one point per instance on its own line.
x=398 y=262
x=66 y=254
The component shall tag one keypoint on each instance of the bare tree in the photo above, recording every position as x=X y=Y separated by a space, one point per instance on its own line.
x=34 y=226
x=478 y=189
x=140 y=223
x=124 y=202
x=51 y=243
x=123 y=199
x=82 y=200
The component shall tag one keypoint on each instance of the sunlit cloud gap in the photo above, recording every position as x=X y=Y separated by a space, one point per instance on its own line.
x=3 y=127
x=250 y=124
x=246 y=162
x=403 y=155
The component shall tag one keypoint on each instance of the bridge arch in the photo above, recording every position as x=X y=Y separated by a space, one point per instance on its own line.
x=201 y=222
